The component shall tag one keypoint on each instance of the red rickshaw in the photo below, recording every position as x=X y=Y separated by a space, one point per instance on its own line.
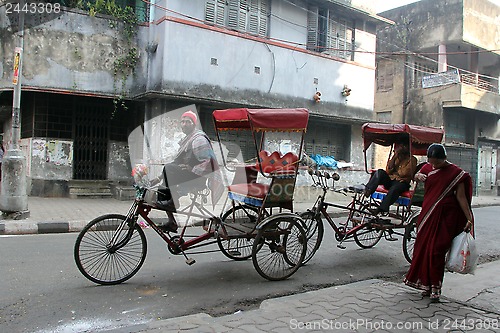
x=361 y=225
x=112 y=248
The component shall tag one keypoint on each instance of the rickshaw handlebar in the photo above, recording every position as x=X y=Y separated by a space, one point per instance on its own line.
x=321 y=178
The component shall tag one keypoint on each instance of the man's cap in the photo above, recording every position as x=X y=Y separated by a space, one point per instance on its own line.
x=190 y=114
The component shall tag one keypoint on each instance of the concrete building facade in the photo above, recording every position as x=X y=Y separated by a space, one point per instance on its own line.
x=204 y=54
x=439 y=65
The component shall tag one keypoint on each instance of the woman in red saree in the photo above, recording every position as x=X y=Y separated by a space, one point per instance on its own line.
x=446 y=212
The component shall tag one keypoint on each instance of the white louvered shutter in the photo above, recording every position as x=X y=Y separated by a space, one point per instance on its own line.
x=215 y=12
x=312 y=28
x=253 y=16
x=263 y=18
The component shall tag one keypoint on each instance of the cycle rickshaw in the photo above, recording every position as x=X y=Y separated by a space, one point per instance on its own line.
x=112 y=248
x=361 y=226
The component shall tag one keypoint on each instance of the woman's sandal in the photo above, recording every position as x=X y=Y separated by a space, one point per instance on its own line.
x=425 y=293
x=434 y=296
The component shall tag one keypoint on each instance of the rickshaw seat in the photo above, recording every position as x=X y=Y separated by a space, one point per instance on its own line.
x=404 y=199
x=272 y=163
x=251 y=193
x=282 y=169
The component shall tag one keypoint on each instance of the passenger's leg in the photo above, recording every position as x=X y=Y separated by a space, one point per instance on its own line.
x=377 y=178
x=395 y=190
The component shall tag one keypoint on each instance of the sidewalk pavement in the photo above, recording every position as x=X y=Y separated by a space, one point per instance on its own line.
x=469 y=302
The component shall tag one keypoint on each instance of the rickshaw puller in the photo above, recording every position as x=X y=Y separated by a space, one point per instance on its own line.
x=194 y=163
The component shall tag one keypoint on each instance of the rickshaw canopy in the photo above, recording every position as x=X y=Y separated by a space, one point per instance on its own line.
x=420 y=137
x=262 y=120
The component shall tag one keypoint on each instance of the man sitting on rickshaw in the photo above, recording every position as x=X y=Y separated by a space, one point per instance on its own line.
x=194 y=163
x=395 y=178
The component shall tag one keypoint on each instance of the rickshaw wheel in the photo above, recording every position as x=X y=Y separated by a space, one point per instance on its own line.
x=280 y=247
x=110 y=250
x=231 y=240
x=314 y=229
x=368 y=236
x=409 y=238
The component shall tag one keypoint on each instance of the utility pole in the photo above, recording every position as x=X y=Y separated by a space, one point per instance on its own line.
x=13 y=198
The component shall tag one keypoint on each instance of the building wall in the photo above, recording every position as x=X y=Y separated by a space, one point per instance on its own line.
x=459 y=25
x=389 y=93
x=286 y=77
x=481 y=24
x=74 y=53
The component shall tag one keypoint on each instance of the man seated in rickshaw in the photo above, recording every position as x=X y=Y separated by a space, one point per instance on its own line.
x=395 y=178
x=194 y=163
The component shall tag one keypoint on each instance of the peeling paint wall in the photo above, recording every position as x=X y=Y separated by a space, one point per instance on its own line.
x=119 y=168
x=51 y=159
x=74 y=52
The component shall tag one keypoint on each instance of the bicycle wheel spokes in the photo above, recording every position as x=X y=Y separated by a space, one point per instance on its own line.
x=237 y=248
x=314 y=233
x=367 y=237
x=235 y=238
x=409 y=239
x=279 y=248
x=107 y=251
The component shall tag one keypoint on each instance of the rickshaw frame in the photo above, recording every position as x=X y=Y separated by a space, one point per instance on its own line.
x=112 y=248
x=365 y=228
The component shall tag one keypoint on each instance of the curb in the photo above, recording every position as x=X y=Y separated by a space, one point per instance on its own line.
x=20 y=227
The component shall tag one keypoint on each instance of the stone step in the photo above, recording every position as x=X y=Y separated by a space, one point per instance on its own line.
x=89 y=189
x=89 y=195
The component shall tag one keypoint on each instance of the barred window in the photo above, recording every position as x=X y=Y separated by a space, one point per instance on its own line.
x=249 y=16
x=330 y=34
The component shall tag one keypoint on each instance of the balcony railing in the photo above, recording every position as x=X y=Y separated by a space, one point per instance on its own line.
x=478 y=82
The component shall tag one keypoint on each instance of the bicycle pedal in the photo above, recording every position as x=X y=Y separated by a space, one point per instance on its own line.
x=235 y=253
x=391 y=239
x=340 y=246
x=190 y=261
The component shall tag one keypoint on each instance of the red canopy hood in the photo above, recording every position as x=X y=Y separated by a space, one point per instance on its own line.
x=387 y=134
x=286 y=120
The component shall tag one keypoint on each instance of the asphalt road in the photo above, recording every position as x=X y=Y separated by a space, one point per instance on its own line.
x=43 y=291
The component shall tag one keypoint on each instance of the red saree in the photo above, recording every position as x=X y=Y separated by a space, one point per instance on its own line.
x=440 y=220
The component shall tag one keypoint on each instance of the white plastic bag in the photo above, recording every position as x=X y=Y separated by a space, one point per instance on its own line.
x=462 y=257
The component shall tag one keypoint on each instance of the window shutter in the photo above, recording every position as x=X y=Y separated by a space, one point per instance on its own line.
x=349 y=40
x=342 y=38
x=253 y=17
x=333 y=39
x=220 y=16
x=210 y=11
x=242 y=15
x=214 y=11
x=263 y=18
x=312 y=28
x=232 y=15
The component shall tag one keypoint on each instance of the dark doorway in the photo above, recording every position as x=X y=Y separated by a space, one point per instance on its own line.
x=91 y=134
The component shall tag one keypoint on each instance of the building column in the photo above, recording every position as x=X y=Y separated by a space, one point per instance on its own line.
x=442 y=58
x=474 y=63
